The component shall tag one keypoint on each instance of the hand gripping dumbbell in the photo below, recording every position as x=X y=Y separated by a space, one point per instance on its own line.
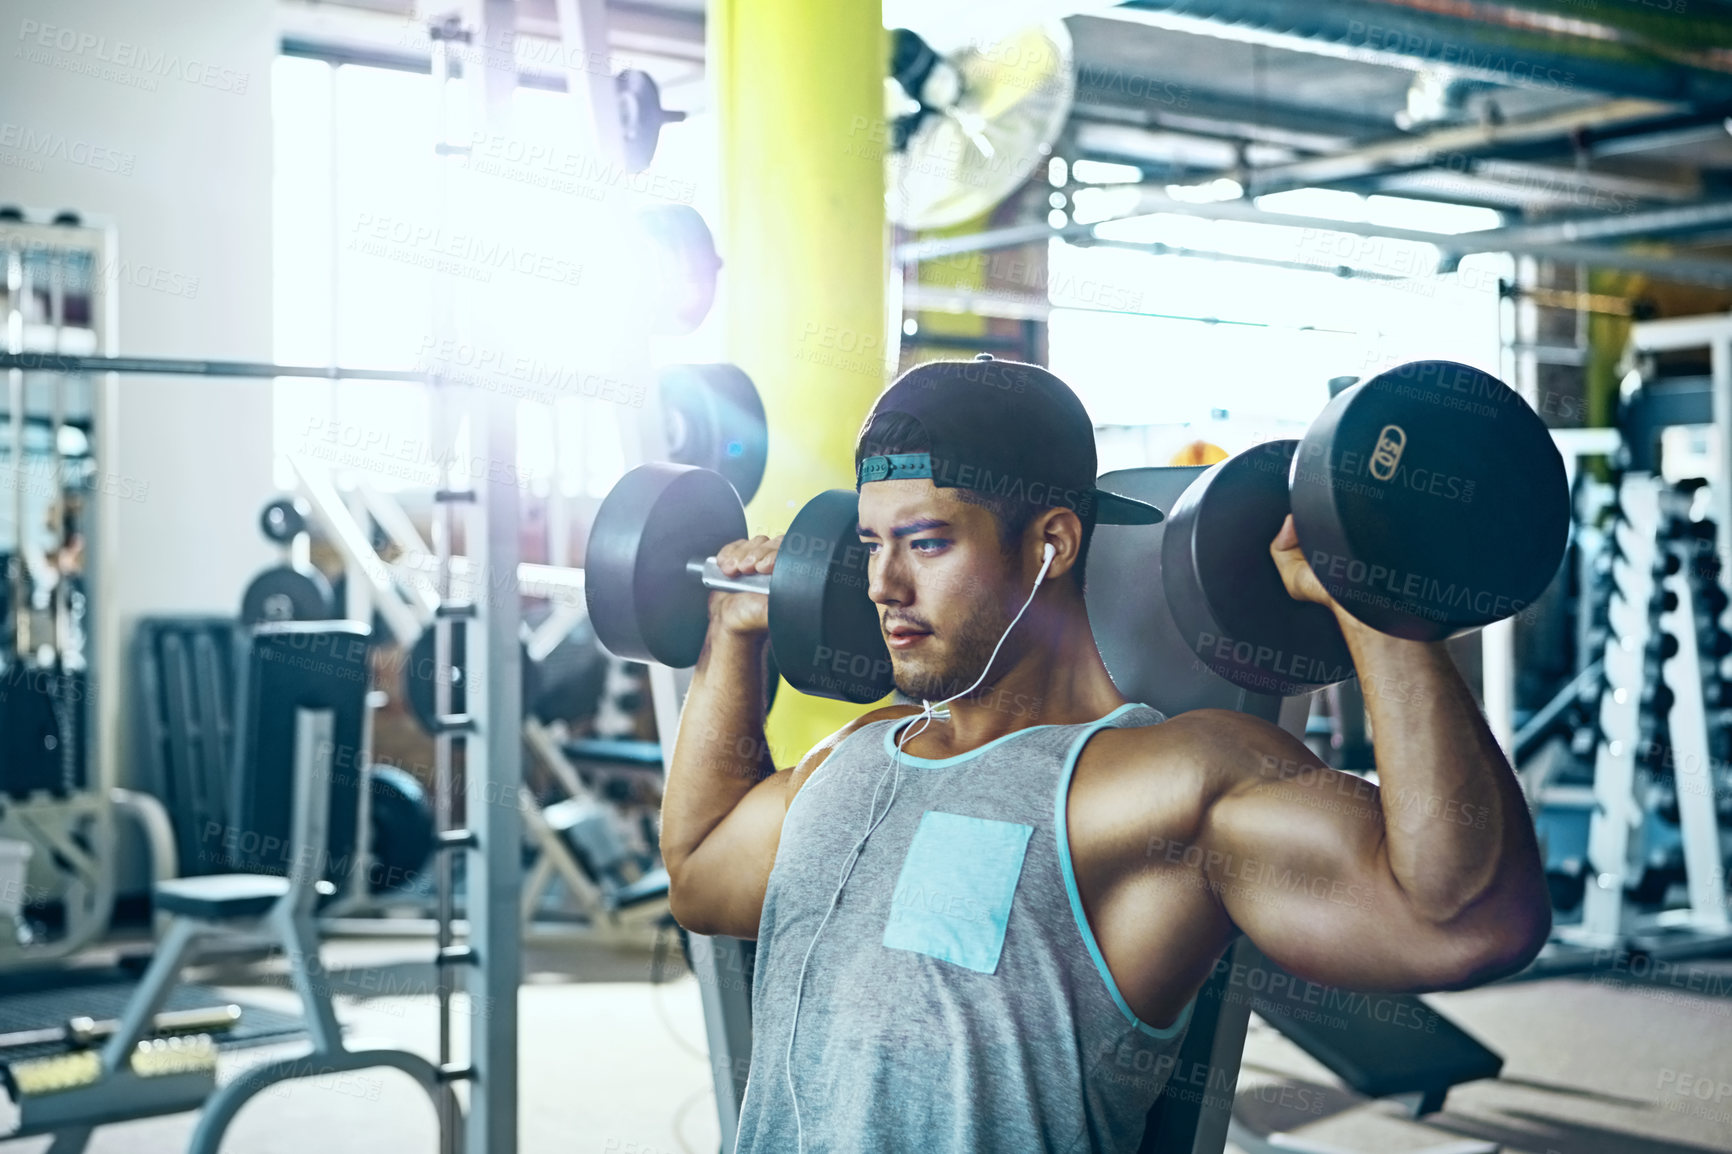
x=650 y=566
x=1430 y=501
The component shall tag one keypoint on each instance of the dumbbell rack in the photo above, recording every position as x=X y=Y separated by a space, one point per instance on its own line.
x=1652 y=620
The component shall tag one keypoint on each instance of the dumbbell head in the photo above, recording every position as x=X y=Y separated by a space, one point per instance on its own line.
x=283 y=519
x=643 y=602
x=648 y=603
x=824 y=628
x=1226 y=595
x=1431 y=500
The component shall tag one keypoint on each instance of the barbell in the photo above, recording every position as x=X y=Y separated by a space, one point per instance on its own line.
x=650 y=567
x=1429 y=501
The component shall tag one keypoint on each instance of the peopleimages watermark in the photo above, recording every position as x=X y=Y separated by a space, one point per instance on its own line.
x=39 y=477
x=1255 y=878
x=502 y=370
x=1513 y=70
x=1269 y=659
x=128 y=274
x=846 y=349
x=557 y=169
x=463 y=255
x=41 y=144
x=1001 y=271
x=383 y=451
x=952 y=157
x=507 y=48
x=1418 y=594
x=120 y=61
x=1691 y=1093
x=133 y=274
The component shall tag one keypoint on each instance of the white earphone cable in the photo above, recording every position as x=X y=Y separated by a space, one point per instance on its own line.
x=926 y=717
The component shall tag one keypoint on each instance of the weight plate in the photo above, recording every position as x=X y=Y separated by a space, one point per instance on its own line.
x=287 y=593
x=1226 y=595
x=643 y=603
x=681 y=265
x=1431 y=500
x=824 y=628
x=283 y=519
x=570 y=679
x=419 y=683
x=401 y=827
x=772 y=682
x=715 y=420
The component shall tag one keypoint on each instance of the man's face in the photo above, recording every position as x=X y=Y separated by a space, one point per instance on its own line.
x=945 y=591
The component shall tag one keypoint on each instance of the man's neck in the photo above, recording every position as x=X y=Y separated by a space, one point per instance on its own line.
x=1059 y=680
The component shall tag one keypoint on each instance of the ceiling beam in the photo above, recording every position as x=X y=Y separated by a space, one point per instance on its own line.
x=1559 y=55
x=1688 y=270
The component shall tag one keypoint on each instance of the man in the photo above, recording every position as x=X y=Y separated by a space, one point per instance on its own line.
x=984 y=929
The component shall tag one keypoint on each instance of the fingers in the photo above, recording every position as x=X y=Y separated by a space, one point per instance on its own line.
x=1288 y=537
x=754 y=555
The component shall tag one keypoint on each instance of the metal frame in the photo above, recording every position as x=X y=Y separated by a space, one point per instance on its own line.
x=88 y=885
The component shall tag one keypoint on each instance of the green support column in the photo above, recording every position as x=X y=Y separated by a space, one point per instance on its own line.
x=799 y=91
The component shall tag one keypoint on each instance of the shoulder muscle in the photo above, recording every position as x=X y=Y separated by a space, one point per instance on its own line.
x=817 y=755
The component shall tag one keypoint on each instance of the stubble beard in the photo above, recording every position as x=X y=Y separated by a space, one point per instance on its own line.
x=969 y=651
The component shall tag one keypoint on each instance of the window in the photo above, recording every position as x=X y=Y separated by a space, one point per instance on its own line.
x=366 y=260
x=1232 y=333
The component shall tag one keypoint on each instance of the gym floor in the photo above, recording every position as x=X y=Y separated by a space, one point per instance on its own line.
x=615 y=1063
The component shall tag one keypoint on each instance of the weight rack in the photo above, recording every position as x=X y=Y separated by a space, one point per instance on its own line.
x=1652 y=620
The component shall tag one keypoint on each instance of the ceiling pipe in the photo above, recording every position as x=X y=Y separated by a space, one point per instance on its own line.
x=1491 y=45
x=1672 y=221
x=1405 y=153
x=1686 y=270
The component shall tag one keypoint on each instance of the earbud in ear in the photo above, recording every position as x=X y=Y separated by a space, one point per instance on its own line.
x=1049 y=552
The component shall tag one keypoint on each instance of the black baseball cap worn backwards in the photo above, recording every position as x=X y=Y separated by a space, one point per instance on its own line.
x=1001 y=427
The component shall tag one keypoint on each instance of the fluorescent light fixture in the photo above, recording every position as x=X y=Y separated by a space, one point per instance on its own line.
x=1105 y=172
x=1219 y=189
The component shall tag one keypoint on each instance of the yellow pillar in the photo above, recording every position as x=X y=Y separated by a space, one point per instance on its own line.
x=799 y=88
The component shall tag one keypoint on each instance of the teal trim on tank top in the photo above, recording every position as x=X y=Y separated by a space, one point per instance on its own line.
x=1076 y=906
x=945 y=762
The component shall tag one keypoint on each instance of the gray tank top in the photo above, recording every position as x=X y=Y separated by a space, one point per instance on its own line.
x=956 y=999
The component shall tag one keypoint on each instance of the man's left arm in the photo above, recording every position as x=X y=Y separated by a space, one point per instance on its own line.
x=1439 y=861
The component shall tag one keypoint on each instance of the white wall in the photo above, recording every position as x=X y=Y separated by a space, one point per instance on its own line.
x=155 y=117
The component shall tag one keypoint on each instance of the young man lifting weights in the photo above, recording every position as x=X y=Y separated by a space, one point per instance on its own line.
x=984 y=930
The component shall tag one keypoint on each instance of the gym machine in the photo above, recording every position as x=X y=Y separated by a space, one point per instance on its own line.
x=59 y=774
x=302 y=685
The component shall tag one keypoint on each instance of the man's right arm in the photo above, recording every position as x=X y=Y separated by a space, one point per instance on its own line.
x=724 y=800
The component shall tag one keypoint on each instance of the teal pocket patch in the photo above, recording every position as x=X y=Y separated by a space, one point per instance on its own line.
x=952 y=899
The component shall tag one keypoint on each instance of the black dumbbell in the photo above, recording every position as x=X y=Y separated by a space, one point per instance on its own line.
x=649 y=569
x=1429 y=501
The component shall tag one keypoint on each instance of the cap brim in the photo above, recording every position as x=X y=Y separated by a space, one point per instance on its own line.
x=1112 y=509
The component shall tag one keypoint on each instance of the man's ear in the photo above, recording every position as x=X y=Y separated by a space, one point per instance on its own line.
x=1062 y=529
